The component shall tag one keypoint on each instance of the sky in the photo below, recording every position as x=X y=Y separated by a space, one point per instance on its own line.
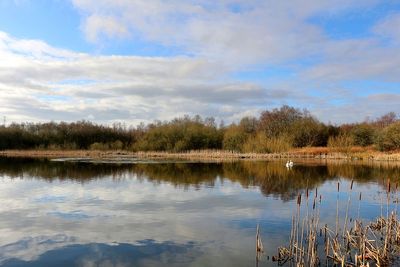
x=137 y=61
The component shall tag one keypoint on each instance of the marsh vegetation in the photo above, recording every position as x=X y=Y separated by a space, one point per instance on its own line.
x=274 y=131
x=349 y=241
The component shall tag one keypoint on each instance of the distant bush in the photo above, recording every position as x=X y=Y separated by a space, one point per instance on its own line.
x=98 y=146
x=363 y=135
x=263 y=144
x=279 y=121
x=117 y=145
x=342 y=142
x=389 y=139
x=52 y=135
x=256 y=144
x=181 y=134
x=234 y=138
x=278 y=144
x=308 y=132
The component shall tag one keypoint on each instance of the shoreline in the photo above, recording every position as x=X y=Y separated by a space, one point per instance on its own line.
x=219 y=155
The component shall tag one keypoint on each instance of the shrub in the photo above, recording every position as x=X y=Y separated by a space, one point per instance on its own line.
x=256 y=144
x=342 y=142
x=98 y=146
x=263 y=144
x=117 y=145
x=363 y=135
x=181 y=134
x=278 y=121
x=234 y=138
x=389 y=139
x=308 y=132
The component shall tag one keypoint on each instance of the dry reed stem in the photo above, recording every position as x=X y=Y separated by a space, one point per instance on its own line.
x=377 y=243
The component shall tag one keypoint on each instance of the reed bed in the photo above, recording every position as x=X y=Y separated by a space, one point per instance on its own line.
x=350 y=241
x=319 y=153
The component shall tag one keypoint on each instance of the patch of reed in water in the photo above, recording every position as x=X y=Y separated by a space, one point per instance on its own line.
x=351 y=242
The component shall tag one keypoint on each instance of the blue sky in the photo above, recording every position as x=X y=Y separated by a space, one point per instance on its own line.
x=139 y=60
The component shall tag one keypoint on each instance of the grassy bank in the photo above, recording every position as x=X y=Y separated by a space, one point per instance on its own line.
x=355 y=153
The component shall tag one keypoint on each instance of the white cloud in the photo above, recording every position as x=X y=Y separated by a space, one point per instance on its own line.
x=239 y=33
x=358 y=108
x=389 y=27
x=40 y=82
x=235 y=31
x=110 y=26
x=365 y=59
x=216 y=40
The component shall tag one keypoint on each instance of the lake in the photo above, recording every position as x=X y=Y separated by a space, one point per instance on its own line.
x=63 y=213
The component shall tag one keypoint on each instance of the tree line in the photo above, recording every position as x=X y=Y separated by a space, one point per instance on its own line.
x=275 y=130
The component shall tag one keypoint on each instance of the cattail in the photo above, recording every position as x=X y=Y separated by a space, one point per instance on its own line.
x=307 y=193
x=360 y=196
x=351 y=185
x=320 y=199
x=388 y=186
x=338 y=186
x=313 y=207
x=299 y=199
x=316 y=191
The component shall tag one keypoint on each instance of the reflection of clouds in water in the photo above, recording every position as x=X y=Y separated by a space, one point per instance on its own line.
x=163 y=203
x=28 y=248
x=48 y=199
x=73 y=215
x=131 y=210
x=233 y=188
x=367 y=209
x=98 y=197
x=57 y=251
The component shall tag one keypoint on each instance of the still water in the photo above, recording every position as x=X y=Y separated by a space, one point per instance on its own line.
x=166 y=213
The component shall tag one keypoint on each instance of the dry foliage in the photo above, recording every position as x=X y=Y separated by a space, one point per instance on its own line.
x=352 y=243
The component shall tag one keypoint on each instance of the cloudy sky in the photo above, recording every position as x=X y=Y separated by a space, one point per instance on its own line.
x=140 y=60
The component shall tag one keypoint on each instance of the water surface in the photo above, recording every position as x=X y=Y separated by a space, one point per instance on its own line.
x=165 y=213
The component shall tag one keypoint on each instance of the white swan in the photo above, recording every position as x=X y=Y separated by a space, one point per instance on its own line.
x=289 y=164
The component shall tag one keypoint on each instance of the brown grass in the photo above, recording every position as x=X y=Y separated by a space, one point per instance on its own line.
x=57 y=153
x=376 y=243
x=356 y=153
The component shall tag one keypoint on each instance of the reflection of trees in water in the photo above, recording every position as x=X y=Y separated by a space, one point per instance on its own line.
x=275 y=179
x=179 y=174
x=44 y=169
x=363 y=173
x=271 y=177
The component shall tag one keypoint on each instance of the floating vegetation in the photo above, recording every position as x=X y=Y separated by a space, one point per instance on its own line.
x=351 y=242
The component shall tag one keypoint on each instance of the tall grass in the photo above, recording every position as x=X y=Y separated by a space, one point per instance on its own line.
x=341 y=143
x=350 y=243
